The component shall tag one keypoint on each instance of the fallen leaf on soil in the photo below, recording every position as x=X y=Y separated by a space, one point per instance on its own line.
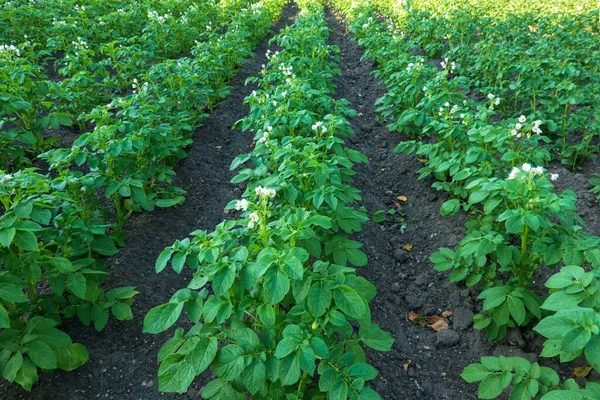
x=407 y=247
x=437 y=323
x=417 y=319
x=397 y=205
x=447 y=314
x=219 y=147
x=582 y=371
x=406 y=365
x=380 y=149
x=402 y=198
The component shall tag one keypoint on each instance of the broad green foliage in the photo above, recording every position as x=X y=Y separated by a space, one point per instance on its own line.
x=53 y=230
x=487 y=151
x=277 y=310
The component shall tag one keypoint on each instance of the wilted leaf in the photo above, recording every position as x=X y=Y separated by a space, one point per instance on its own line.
x=447 y=314
x=407 y=247
x=582 y=371
x=406 y=365
x=417 y=319
x=437 y=323
x=402 y=198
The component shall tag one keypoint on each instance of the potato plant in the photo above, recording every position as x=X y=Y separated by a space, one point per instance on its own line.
x=274 y=302
x=492 y=164
x=53 y=230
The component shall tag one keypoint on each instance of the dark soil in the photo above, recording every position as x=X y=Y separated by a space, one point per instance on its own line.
x=122 y=360
x=422 y=364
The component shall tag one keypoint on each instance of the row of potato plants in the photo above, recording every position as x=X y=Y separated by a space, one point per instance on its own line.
x=90 y=73
x=492 y=168
x=53 y=231
x=545 y=64
x=276 y=310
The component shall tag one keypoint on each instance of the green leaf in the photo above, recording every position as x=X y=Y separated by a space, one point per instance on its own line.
x=41 y=354
x=475 y=373
x=13 y=366
x=6 y=236
x=593 y=257
x=100 y=316
x=450 y=207
x=294 y=267
x=554 y=326
x=4 y=318
x=204 y=353
x=175 y=374
x=362 y=371
x=162 y=317
x=376 y=338
x=178 y=261
x=12 y=293
x=266 y=314
x=104 y=245
x=223 y=280
x=276 y=286
x=516 y=308
x=26 y=240
x=163 y=259
x=76 y=283
x=491 y=386
x=220 y=390
x=561 y=301
x=349 y=301
x=122 y=311
x=229 y=362
x=286 y=346
x=339 y=391
x=367 y=393
x=27 y=375
x=255 y=376
x=319 y=299
x=289 y=370
x=576 y=339
x=63 y=265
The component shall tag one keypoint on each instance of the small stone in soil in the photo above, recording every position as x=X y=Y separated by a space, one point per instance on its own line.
x=353 y=139
x=447 y=338
x=396 y=241
x=400 y=255
x=462 y=319
x=515 y=338
x=413 y=302
x=422 y=280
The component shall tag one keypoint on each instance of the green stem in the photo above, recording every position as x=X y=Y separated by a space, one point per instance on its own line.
x=523 y=266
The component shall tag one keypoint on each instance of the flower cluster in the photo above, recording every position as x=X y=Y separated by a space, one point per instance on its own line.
x=153 y=16
x=265 y=137
x=319 y=127
x=137 y=87
x=415 y=67
x=451 y=109
x=264 y=192
x=242 y=205
x=5 y=178
x=526 y=170
x=253 y=220
x=519 y=125
x=451 y=66
x=287 y=71
x=494 y=99
x=5 y=48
